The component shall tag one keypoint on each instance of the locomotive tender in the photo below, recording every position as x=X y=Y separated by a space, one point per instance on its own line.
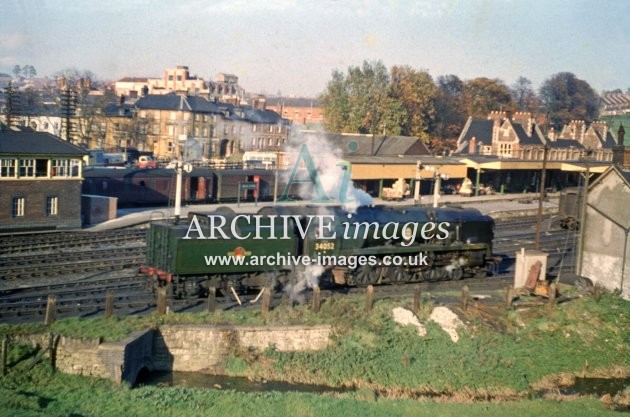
x=374 y=245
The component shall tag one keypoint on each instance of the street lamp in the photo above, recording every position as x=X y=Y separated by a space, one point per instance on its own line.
x=416 y=191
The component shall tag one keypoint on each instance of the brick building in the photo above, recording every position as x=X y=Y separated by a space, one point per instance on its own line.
x=517 y=136
x=40 y=181
x=300 y=111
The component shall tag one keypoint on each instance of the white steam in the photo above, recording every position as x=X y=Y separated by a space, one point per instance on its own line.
x=326 y=157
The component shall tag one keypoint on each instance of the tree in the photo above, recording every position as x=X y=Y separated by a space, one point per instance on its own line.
x=450 y=110
x=29 y=71
x=335 y=103
x=17 y=70
x=566 y=97
x=362 y=101
x=523 y=95
x=417 y=93
x=482 y=95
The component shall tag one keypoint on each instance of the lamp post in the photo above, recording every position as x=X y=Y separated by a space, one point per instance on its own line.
x=416 y=191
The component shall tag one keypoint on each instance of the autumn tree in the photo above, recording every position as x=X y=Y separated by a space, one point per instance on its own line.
x=450 y=109
x=418 y=94
x=362 y=101
x=523 y=95
x=483 y=95
x=566 y=97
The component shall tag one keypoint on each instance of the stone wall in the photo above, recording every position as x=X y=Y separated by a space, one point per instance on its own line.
x=188 y=348
x=204 y=348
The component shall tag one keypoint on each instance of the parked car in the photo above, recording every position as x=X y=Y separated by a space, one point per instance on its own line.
x=145 y=161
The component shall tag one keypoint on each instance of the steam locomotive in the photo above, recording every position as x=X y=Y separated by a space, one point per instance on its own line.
x=278 y=245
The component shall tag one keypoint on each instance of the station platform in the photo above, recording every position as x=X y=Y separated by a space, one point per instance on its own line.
x=497 y=205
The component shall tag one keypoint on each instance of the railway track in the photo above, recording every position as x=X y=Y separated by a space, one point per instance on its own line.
x=40 y=243
x=55 y=254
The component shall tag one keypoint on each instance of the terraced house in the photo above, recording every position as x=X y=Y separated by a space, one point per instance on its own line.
x=199 y=129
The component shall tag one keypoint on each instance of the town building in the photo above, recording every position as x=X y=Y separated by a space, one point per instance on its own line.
x=299 y=110
x=40 y=181
x=178 y=80
x=196 y=128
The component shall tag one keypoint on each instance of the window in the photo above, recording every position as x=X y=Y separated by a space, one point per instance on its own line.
x=143 y=114
x=179 y=78
x=41 y=167
x=173 y=115
x=171 y=130
x=170 y=78
x=171 y=148
x=253 y=128
x=60 y=168
x=17 y=209
x=253 y=142
x=51 y=206
x=74 y=167
x=270 y=128
x=27 y=168
x=269 y=142
x=7 y=168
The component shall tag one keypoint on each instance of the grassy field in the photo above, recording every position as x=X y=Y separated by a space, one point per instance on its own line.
x=390 y=366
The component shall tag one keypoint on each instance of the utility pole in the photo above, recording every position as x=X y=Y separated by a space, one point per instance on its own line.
x=12 y=105
x=542 y=196
x=583 y=205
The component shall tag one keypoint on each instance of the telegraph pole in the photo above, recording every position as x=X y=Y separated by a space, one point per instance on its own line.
x=542 y=197
x=581 y=225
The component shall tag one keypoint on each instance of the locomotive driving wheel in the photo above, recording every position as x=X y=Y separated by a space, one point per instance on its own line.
x=366 y=275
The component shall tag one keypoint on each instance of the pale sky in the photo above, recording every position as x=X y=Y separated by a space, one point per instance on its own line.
x=293 y=46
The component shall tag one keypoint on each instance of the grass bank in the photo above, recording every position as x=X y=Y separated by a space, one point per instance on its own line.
x=373 y=353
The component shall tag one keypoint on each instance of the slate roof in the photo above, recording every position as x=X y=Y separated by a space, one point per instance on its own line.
x=121 y=110
x=36 y=143
x=292 y=102
x=524 y=138
x=366 y=145
x=480 y=129
x=202 y=105
x=565 y=143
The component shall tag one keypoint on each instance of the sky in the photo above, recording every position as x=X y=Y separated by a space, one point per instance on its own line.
x=292 y=46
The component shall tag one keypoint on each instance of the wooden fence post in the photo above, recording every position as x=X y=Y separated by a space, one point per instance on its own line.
x=50 y=310
x=552 y=296
x=316 y=299
x=266 y=301
x=161 y=301
x=212 y=299
x=417 y=299
x=464 y=300
x=368 y=298
x=109 y=304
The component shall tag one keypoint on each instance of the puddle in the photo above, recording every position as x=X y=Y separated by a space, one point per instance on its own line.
x=219 y=382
